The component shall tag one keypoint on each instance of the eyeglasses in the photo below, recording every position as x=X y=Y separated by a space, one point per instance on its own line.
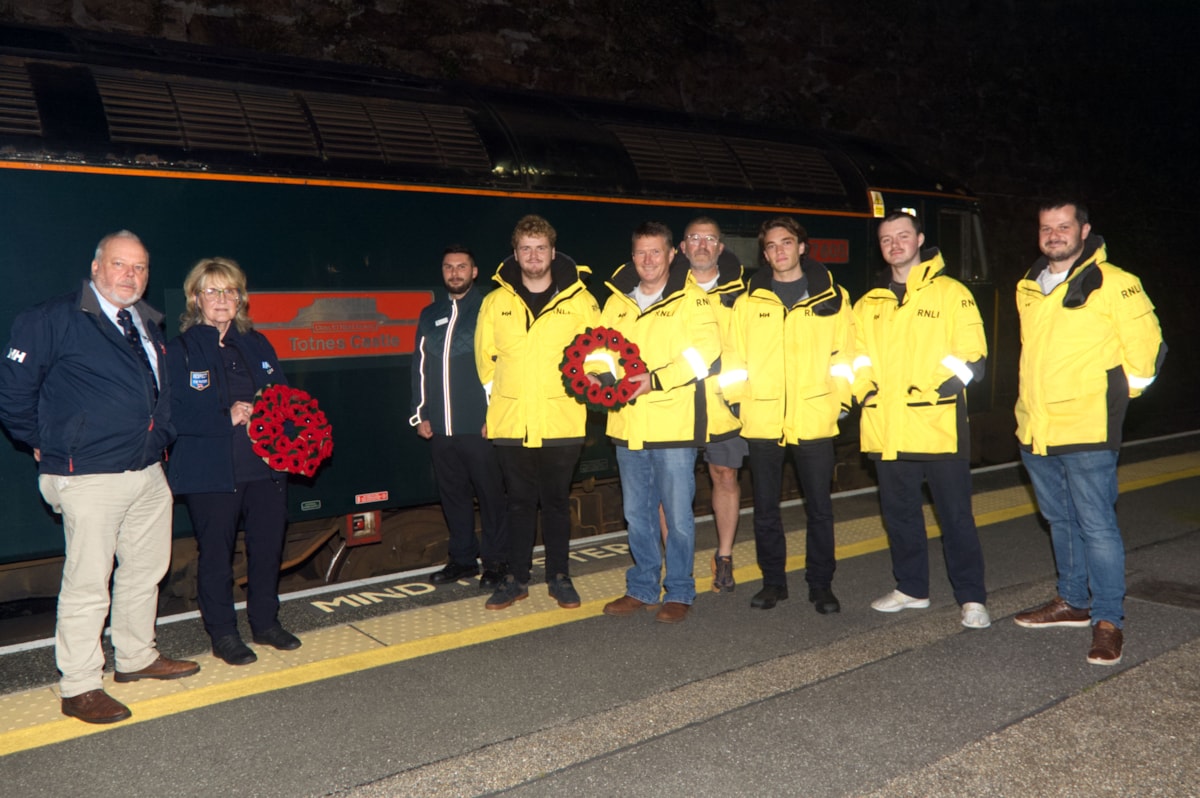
x=213 y=293
x=696 y=238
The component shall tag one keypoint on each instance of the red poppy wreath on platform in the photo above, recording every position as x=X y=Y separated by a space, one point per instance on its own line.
x=289 y=431
x=609 y=345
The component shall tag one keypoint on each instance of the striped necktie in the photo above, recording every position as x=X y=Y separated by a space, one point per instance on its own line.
x=135 y=343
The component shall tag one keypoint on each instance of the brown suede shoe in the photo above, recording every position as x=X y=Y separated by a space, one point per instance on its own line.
x=95 y=706
x=627 y=605
x=1106 y=644
x=1057 y=613
x=161 y=668
x=673 y=612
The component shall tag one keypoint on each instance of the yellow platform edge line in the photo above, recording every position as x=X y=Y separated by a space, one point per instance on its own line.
x=68 y=728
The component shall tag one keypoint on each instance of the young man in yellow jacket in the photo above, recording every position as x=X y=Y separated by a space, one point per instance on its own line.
x=656 y=305
x=1090 y=343
x=790 y=374
x=920 y=342
x=524 y=325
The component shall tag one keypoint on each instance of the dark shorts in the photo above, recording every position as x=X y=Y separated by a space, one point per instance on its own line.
x=729 y=452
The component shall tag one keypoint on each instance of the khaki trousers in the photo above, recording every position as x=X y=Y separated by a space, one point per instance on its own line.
x=125 y=516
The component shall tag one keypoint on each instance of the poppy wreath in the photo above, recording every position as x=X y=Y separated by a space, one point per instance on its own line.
x=601 y=398
x=289 y=431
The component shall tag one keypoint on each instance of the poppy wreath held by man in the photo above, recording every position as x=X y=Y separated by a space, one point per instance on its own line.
x=289 y=431
x=622 y=357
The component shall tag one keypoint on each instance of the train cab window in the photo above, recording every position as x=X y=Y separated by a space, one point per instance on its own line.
x=746 y=248
x=960 y=238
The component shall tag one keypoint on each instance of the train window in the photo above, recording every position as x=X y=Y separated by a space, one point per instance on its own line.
x=960 y=238
x=746 y=248
x=18 y=108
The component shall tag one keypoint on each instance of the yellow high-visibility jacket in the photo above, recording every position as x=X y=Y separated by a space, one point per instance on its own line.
x=518 y=357
x=1087 y=348
x=913 y=361
x=680 y=340
x=792 y=374
x=722 y=423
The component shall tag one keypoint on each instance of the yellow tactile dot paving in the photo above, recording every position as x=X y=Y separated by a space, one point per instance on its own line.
x=30 y=708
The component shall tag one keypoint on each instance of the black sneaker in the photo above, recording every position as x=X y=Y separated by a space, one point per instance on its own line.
x=509 y=593
x=233 y=651
x=452 y=572
x=277 y=637
x=492 y=576
x=563 y=591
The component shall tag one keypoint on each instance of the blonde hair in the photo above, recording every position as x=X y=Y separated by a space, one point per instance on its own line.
x=202 y=275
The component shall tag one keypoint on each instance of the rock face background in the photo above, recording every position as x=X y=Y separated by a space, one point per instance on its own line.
x=1020 y=98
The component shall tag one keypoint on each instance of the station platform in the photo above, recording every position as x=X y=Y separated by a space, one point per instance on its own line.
x=402 y=688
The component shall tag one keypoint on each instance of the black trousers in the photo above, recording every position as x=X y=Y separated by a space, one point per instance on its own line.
x=536 y=478
x=902 y=504
x=467 y=468
x=260 y=508
x=814 y=468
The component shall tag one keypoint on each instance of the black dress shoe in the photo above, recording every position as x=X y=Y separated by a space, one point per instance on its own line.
x=453 y=572
x=823 y=600
x=491 y=579
x=277 y=637
x=231 y=649
x=766 y=598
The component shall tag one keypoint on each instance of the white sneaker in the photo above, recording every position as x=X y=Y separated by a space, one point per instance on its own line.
x=896 y=601
x=975 y=616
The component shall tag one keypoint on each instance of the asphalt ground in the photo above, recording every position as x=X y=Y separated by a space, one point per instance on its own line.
x=543 y=701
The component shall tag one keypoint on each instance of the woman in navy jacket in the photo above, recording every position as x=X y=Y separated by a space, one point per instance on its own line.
x=216 y=367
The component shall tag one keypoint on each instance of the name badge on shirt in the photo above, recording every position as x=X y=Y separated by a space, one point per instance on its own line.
x=442 y=321
x=199 y=380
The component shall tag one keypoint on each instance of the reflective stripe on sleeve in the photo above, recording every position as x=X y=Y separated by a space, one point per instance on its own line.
x=861 y=362
x=696 y=361
x=732 y=376
x=842 y=370
x=959 y=368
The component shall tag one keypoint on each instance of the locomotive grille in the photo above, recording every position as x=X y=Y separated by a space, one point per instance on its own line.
x=785 y=167
x=398 y=132
x=203 y=116
x=666 y=156
x=18 y=108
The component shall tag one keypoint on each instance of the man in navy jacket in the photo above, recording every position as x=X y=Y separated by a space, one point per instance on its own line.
x=449 y=408
x=83 y=384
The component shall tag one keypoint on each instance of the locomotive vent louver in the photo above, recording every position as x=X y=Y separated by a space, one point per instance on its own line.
x=206 y=115
x=668 y=156
x=18 y=107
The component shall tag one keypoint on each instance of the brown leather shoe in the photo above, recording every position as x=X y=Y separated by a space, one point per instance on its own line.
x=1106 y=644
x=1057 y=613
x=672 y=612
x=161 y=668
x=627 y=605
x=95 y=706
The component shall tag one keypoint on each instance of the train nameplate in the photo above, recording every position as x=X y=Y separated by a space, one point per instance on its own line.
x=307 y=325
x=371 y=498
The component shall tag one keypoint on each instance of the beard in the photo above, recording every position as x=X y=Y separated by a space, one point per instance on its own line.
x=1065 y=255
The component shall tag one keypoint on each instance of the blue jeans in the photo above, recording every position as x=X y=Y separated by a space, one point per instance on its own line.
x=1077 y=495
x=650 y=477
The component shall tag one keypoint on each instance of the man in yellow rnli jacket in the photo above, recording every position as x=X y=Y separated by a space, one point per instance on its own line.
x=656 y=305
x=719 y=272
x=793 y=335
x=524 y=325
x=920 y=342
x=1089 y=343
